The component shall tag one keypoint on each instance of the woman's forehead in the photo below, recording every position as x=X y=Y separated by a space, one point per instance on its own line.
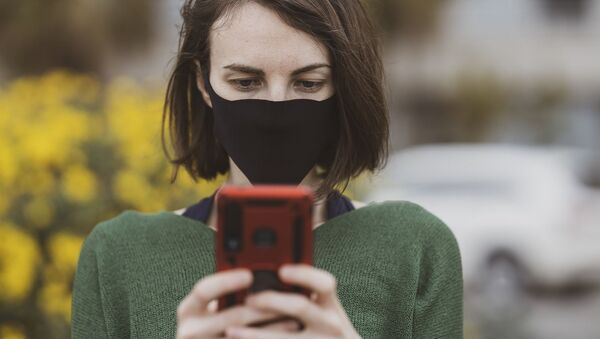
x=255 y=35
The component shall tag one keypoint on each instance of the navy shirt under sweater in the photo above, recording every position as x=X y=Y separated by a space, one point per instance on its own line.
x=336 y=204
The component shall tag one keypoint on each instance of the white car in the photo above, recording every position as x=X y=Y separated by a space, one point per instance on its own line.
x=524 y=205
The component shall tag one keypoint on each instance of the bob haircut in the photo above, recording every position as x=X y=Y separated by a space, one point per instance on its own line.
x=344 y=28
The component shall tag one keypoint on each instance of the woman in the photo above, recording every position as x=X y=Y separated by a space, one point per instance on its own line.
x=382 y=270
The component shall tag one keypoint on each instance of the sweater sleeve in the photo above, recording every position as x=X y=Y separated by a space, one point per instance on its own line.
x=87 y=313
x=438 y=311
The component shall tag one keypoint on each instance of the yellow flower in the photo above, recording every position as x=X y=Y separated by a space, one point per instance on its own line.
x=64 y=249
x=56 y=295
x=11 y=332
x=39 y=211
x=79 y=184
x=19 y=256
x=132 y=188
x=134 y=120
x=8 y=163
x=61 y=134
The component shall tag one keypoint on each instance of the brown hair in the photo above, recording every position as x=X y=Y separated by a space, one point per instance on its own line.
x=343 y=26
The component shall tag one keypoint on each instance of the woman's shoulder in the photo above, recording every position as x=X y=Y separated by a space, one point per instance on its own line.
x=408 y=220
x=412 y=227
x=127 y=220
x=134 y=226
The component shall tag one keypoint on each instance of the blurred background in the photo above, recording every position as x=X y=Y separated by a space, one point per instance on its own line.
x=495 y=112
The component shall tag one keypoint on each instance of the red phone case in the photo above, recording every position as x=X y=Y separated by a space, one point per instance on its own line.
x=261 y=227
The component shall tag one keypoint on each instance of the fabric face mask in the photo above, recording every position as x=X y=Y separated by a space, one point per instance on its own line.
x=274 y=142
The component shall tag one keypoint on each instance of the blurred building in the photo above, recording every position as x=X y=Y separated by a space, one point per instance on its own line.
x=530 y=65
x=153 y=65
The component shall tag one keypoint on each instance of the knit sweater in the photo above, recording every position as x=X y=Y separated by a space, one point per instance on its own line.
x=398 y=271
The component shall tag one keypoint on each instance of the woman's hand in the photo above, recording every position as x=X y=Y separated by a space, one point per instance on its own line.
x=197 y=315
x=322 y=315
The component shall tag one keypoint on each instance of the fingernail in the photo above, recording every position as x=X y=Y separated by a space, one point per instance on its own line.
x=246 y=275
x=286 y=270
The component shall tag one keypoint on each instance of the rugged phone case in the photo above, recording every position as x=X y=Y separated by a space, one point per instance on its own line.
x=260 y=228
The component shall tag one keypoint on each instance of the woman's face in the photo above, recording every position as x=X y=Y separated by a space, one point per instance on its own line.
x=256 y=55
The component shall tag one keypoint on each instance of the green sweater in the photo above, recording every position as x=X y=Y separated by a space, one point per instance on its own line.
x=397 y=266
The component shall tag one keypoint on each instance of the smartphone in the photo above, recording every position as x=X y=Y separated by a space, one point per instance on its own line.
x=261 y=227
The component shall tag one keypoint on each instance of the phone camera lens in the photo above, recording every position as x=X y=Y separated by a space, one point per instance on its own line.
x=233 y=244
x=264 y=237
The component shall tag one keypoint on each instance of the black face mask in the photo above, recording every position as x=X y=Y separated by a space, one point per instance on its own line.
x=275 y=142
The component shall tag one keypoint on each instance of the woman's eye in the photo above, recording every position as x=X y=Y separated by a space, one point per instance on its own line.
x=252 y=84
x=310 y=86
x=244 y=84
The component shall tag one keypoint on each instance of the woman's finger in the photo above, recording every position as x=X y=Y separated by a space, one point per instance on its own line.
x=256 y=333
x=320 y=281
x=290 y=304
x=212 y=287
x=289 y=325
x=214 y=325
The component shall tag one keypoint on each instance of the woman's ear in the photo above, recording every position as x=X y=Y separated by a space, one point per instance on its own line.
x=200 y=84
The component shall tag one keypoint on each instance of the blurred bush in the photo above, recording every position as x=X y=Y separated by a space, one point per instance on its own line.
x=73 y=152
x=39 y=35
x=411 y=20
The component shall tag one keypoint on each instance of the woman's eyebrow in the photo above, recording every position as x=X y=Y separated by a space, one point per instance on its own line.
x=260 y=72
x=309 y=68
x=245 y=69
